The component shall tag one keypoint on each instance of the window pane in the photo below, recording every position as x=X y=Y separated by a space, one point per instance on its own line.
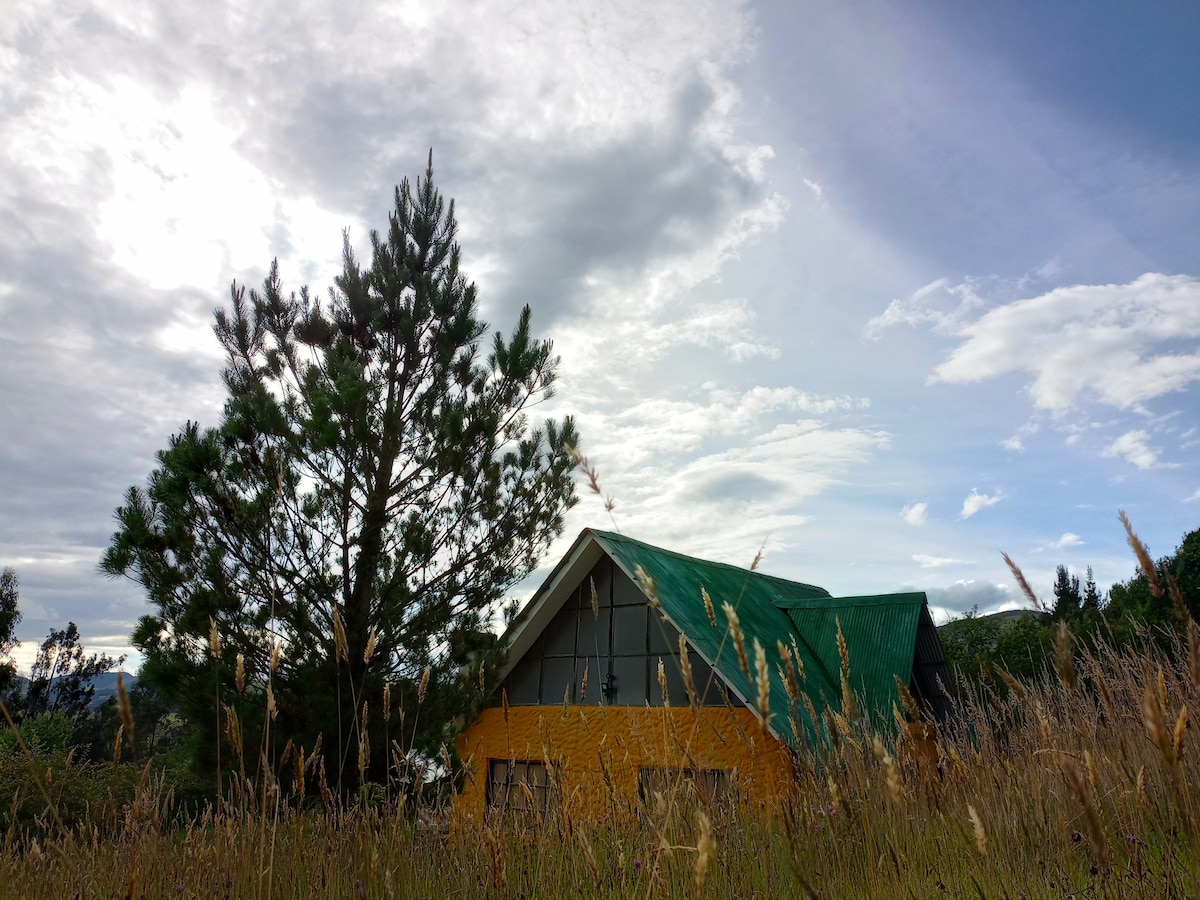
x=596 y=672
x=629 y=630
x=559 y=636
x=625 y=592
x=558 y=676
x=630 y=672
x=603 y=575
x=594 y=635
x=706 y=682
x=663 y=636
x=523 y=682
x=674 y=677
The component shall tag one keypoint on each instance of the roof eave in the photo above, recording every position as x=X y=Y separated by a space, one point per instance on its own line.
x=549 y=598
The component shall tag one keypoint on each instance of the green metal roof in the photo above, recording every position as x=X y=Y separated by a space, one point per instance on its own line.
x=880 y=631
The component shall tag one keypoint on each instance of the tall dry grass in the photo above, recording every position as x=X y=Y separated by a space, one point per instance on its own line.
x=1080 y=783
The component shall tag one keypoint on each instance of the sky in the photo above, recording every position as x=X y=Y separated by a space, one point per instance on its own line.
x=884 y=289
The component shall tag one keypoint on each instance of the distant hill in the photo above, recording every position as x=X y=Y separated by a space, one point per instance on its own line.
x=105 y=684
x=1004 y=618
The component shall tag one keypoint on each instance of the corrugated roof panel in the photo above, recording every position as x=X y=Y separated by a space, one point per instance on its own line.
x=880 y=634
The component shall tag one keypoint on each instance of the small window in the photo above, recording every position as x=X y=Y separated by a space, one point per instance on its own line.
x=518 y=785
x=629 y=630
x=558 y=679
x=706 y=785
x=559 y=636
x=630 y=674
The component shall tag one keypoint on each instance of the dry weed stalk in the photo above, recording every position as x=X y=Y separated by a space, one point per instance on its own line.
x=762 y=677
x=1064 y=657
x=739 y=639
x=1143 y=555
x=1091 y=818
x=977 y=826
x=685 y=666
x=706 y=848
x=1023 y=584
x=708 y=607
x=124 y=708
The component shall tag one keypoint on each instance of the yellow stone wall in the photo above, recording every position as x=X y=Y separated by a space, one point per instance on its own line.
x=598 y=751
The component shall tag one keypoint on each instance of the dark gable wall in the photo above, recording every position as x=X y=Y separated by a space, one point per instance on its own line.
x=623 y=637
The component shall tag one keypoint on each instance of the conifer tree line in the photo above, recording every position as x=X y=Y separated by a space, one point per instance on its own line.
x=1126 y=614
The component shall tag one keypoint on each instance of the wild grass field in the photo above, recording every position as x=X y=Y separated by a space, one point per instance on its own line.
x=1076 y=784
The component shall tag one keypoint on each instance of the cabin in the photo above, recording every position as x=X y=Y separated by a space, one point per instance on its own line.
x=594 y=713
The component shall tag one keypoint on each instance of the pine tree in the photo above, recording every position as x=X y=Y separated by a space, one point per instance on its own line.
x=372 y=490
x=1092 y=600
x=60 y=680
x=10 y=617
x=1066 y=595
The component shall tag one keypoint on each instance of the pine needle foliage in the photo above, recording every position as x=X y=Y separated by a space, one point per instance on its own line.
x=373 y=468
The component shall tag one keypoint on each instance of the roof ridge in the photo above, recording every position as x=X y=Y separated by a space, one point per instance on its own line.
x=615 y=536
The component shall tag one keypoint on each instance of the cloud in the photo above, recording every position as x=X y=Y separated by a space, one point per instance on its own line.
x=1133 y=446
x=961 y=596
x=1118 y=342
x=601 y=173
x=1069 y=539
x=914 y=513
x=976 y=501
x=1194 y=497
x=934 y=562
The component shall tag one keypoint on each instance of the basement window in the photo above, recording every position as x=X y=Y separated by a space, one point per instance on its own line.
x=518 y=785
x=706 y=784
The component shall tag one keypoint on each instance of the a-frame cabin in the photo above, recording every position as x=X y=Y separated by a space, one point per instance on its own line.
x=581 y=717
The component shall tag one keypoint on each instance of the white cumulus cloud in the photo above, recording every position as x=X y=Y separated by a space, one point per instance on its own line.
x=914 y=513
x=933 y=562
x=1120 y=342
x=1134 y=446
x=1069 y=539
x=976 y=501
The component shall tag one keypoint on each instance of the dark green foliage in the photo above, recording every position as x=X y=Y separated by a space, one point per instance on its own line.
x=371 y=467
x=1067 y=598
x=1129 y=613
x=1133 y=602
x=10 y=616
x=61 y=678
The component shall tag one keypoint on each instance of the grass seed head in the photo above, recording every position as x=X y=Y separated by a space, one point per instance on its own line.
x=340 y=645
x=423 y=686
x=1023 y=584
x=1145 y=563
x=685 y=667
x=239 y=677
x=739 y=640
x=764 y=685
x=649 y=588
x=214 y=638
x=708 y=607
x=369 y=650
x=706 y=848
x=125 y=709
x=980 y=834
